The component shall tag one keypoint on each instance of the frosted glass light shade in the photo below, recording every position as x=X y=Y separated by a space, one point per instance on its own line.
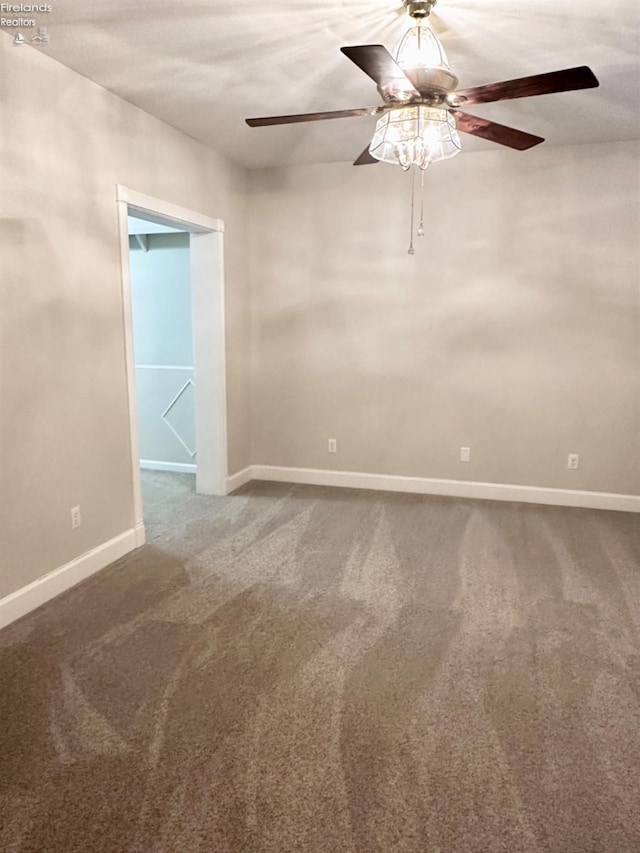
x=420 y=48
x=415 y=136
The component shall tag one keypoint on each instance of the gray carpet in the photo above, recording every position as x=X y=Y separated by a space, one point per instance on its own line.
x=307 y=669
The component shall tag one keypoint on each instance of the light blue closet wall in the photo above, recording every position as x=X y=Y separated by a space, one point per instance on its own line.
x=163 y=346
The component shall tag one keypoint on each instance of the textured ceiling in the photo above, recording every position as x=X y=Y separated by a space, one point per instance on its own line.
x=205 y=65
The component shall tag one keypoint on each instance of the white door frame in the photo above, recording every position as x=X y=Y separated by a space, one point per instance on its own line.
x=207 y=302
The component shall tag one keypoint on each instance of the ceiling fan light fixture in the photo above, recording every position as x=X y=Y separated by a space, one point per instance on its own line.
x=420 y=48
x=415 y=136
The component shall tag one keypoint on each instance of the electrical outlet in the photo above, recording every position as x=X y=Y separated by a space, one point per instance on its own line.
x=572 y=464
x=76 y=519
x=333 y=445
x=465 y=454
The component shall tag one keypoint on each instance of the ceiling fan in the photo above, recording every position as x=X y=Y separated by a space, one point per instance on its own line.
x=421 y=114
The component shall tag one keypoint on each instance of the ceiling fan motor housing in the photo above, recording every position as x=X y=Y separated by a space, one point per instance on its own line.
x=434 y=85
x=419 y=8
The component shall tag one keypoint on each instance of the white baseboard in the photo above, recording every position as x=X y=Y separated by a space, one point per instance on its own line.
x=43 y=589
x=452 y=488
x=140 y=534
x=26 y=599
x=239 y=479
x=180 y=467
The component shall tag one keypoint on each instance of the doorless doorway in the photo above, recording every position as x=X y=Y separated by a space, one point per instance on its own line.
x=207 y=309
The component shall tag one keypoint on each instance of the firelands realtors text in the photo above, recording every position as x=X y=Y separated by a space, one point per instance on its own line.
x=17 y=8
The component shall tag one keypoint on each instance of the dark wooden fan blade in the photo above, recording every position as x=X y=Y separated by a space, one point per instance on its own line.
x=365 y=158
x=567 y=80
x=376 y=61
x=499 y=133
x=360 y=111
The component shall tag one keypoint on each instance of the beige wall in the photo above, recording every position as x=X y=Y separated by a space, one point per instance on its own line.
x=64 y=436
x=514 y=329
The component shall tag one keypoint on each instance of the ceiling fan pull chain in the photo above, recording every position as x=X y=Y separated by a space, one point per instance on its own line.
x=421 y=226
x=411 y=250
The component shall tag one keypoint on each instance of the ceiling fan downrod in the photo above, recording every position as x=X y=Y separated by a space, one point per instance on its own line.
x=419 y=8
